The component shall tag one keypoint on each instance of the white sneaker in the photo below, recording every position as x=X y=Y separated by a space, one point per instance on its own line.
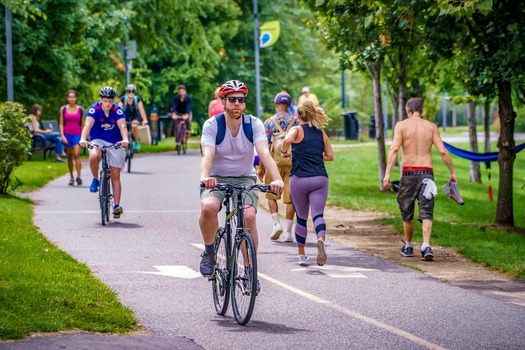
x=287 y=237
x=303 y=260
x=276 y=232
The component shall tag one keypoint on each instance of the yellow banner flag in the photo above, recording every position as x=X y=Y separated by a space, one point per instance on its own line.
x=269 y=33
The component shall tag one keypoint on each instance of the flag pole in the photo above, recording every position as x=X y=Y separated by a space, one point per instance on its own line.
x=257 y=63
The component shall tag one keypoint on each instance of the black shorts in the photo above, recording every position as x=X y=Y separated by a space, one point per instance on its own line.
x=137 y=118
x=411 y=188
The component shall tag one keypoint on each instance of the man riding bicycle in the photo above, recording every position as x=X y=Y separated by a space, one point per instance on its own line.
x=181 y=109
x=133 y=107
x=106 y=125
x=231 y=161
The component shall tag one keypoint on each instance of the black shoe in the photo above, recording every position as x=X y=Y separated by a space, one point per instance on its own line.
x=407 y=251
x=207 y=265
x=427 y=254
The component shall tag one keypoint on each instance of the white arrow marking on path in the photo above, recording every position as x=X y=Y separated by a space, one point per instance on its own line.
x=174 y=271
x=338 y=271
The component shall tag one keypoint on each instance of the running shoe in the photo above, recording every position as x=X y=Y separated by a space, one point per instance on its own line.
x=407 y=251
x=71 y=182
x=94 y=185
x=117 y=211
x=303 y=260
x=321 y=254
x=276 y=232
x=207 y=265
x=427 y=254
x=287 y=237
x=79 y=181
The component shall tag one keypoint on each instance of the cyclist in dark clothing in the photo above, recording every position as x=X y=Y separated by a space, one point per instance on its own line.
x=181 y=108
x=133 y=108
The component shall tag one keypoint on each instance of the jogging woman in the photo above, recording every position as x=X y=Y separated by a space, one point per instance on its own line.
x=308 y=178
x=71 y=122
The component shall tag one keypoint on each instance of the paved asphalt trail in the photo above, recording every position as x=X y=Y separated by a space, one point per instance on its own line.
x=356 y=301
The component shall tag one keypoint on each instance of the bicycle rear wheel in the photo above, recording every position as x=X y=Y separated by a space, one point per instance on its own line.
x=220 y=280
x=104 y=198
x=185 y=142
x=244 y=281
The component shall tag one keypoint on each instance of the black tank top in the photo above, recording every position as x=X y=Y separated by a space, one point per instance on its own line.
x=307 y=155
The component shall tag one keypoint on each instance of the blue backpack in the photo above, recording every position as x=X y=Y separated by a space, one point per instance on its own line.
x=124 y=100
x=221 y=128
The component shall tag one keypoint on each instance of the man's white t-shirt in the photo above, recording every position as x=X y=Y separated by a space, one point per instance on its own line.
x=234 y=156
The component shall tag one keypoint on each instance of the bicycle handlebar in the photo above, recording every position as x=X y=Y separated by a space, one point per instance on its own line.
x=93 y=145
x=227 y=186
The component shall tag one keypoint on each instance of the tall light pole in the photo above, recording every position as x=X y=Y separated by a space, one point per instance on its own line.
x=9 y=54
x=257 y=68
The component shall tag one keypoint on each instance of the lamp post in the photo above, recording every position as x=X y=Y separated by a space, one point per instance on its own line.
x=257 y=63
x=9 y=55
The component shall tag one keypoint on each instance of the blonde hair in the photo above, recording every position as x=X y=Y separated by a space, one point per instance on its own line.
x=311 y=115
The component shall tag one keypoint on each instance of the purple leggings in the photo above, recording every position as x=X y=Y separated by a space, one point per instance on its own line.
x=309 y=192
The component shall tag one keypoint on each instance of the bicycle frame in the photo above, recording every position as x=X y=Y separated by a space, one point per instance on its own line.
x=237 y=272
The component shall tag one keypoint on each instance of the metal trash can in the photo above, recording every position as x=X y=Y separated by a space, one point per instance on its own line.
x=154 y=126
x=372 y=128
x=351 y=125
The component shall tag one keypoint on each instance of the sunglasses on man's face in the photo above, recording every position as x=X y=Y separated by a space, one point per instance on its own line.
x=232 y=99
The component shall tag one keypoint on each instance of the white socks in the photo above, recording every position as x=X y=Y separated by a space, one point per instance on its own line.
x=287 y=226
x=424 y=246
x=275 y=218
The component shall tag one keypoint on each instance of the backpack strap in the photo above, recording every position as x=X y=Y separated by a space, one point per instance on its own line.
x=221 y=128
x=277 y=125
x=247 y=128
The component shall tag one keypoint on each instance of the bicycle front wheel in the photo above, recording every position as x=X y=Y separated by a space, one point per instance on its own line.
x=220 y=280
x=104 y=198
x=244 y=281
x=129 y=156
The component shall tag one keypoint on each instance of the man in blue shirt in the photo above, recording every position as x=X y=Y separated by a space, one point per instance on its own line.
x=106 y=125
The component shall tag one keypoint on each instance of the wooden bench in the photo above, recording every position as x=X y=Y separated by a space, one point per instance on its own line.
x=40 y=144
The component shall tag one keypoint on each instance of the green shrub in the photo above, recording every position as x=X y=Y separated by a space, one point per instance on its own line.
x=15 y=142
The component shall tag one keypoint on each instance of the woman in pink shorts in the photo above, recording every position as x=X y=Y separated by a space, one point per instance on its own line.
x=71 y=123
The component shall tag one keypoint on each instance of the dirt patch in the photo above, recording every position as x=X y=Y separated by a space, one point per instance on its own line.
x=360 y=230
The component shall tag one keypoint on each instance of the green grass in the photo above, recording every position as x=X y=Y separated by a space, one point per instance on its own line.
x=354 y=184
x=43 y=289
x=168 y=145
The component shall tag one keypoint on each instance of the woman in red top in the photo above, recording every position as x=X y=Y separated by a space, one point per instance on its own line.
x=215 y=107
x=71 y=123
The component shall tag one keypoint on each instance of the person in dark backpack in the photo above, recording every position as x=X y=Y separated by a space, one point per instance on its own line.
x=228 y=142
x=133 y=107
x=276 y=128
x=71 y=122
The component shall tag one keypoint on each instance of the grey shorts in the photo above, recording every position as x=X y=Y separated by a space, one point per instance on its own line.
x=249 y=198
x=116 y=157
x=412 y=188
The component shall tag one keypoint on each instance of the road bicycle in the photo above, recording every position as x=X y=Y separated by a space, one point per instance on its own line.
x=181 y=136
x=104 y=190
x=130 y=151
x=236 y=259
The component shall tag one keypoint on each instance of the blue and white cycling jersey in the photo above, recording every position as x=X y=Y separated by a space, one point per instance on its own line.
x=105 y=128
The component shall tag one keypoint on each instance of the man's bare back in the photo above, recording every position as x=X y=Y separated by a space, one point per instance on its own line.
x=417 y=138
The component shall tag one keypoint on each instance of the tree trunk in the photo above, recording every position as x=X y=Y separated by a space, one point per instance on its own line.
x=507 y=116
x=402 y=76
x=395 y=108
x=475 y=174
x=375 y=72
x=486 y=124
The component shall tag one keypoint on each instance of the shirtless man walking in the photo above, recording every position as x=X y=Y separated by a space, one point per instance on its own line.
x=416 y=136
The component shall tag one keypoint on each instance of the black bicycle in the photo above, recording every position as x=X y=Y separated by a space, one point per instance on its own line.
x=104 y=190
x=236 y=258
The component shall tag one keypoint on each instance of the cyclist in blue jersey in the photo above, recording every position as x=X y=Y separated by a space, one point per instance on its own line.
x=106 y=125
